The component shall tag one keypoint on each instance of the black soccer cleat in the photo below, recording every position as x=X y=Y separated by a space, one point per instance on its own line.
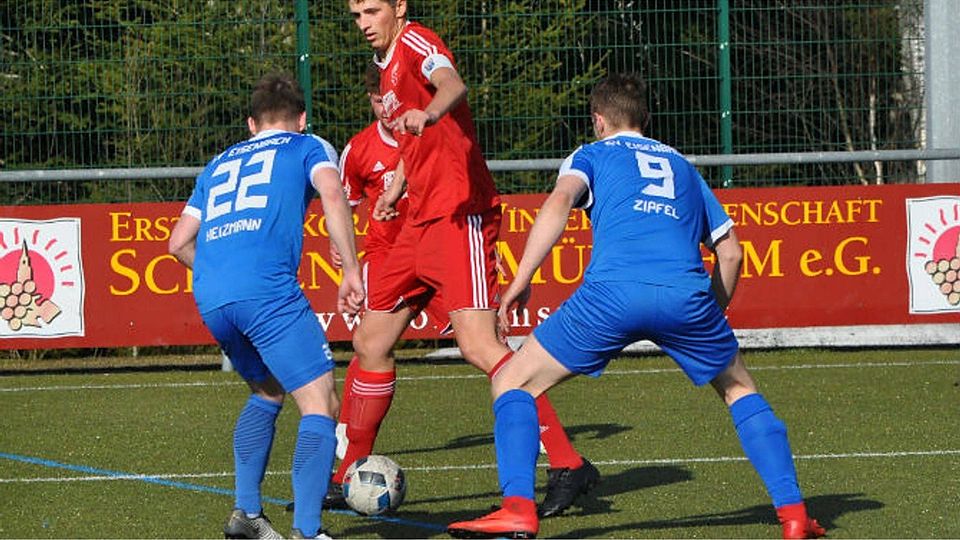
x=334 y=499
x=565 y=485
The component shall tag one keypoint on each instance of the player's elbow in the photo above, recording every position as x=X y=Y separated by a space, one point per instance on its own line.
x=180 y=249
x=728 y=250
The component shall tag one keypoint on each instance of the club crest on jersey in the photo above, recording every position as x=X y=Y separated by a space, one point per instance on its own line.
x=390 y=104
x=395 y=74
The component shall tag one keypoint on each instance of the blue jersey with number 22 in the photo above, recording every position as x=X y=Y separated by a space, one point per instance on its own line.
x=650 y=209
x=251 y=201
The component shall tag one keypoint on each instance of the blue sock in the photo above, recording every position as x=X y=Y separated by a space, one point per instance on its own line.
x=516 y=436
x=312 y=462
x=252 y=440
x=764 y=440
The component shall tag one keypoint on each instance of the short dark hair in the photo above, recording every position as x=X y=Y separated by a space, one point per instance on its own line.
x=277 y=96
x=371 y=79
x=622 y=100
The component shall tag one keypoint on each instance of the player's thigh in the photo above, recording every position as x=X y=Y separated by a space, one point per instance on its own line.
x=532 y=368
x=693 y=330
x=236 y=345
x=290 y=340
x=592 y=326
x=457 y=257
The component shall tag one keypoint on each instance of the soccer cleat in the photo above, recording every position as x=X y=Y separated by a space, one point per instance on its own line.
x=334 y=499
x=516 y=519
x=321 y=535
x=797 y=524
x=799 y=529
x=565 y=485
x=238 y=525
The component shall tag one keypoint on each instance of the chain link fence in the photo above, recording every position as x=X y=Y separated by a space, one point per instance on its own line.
x=151 y=84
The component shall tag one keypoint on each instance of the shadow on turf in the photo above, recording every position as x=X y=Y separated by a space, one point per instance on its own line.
x=825 y=508
x=581 y=432
x=596 y=502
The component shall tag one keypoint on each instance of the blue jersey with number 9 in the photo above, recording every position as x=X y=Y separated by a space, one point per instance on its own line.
x=650 y=209
x=251 y=201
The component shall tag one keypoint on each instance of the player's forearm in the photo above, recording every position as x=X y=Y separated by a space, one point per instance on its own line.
x=450 y=91
x=340 y=225
x=339 y=220
x=546 y=230
x=726 y=271
x=183 y=240
x=397 y=187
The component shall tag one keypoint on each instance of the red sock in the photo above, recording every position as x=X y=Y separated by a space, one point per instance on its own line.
x=792 y=512
x=496 y=367
x=345 y=401
x=371 y=395
x=560 y=450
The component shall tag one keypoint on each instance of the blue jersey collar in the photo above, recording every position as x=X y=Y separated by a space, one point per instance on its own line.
x=636 y=134
x=268 y=133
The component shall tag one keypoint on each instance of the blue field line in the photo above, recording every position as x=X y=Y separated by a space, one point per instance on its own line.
x=196 y=487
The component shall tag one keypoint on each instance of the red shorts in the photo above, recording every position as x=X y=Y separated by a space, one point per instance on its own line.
x=453 y=258
x=424 y=301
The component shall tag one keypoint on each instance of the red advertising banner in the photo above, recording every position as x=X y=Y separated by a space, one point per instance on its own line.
x=100 y=275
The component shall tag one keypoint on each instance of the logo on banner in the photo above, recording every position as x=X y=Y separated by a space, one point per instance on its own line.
x=933 y=254
x=41 y=279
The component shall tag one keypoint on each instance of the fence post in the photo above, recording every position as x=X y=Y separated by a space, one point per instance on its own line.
x=942 y=74
x=303 y=59
x=726 y=93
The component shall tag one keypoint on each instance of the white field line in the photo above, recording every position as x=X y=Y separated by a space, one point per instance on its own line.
x=610 y=372
x=487 y=466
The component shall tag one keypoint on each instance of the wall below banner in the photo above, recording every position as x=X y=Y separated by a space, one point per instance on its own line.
x=831 y=266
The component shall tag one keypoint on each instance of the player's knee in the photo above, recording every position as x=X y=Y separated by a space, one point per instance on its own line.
x=371 y=351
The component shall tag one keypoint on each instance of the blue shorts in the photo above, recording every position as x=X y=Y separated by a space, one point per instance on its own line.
x=600 y=319
x=272 y=336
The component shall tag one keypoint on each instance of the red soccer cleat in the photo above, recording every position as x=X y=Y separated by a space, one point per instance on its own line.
x=517 y=518
x=797 y=524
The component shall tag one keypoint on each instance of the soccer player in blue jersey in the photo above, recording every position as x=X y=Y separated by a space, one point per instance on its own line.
x=650 y=211
x=242 y=232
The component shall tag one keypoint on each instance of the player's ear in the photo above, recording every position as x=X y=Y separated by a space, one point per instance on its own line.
x=252 y=125
x=302 y=122
x=599 y=125
x=401 y=9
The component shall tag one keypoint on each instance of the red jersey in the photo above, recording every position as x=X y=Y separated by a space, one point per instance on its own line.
x=367 y=167
x=445 y=169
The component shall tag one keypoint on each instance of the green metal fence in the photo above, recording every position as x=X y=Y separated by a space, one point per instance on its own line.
x=120 y=83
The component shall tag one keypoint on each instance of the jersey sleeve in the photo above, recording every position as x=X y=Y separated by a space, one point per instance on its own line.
x=428 y=50
x=577 y=164
x=718 y=223
x=320 y=155
x=350 y=174
x=198 y=197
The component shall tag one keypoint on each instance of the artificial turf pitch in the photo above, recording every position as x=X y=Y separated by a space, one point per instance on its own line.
x=147 y=454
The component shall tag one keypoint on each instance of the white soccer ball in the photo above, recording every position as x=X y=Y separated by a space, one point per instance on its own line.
x=374 y=485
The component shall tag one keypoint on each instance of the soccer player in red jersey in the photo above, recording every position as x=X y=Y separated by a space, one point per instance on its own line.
x=447 y=244
x=369 y=165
